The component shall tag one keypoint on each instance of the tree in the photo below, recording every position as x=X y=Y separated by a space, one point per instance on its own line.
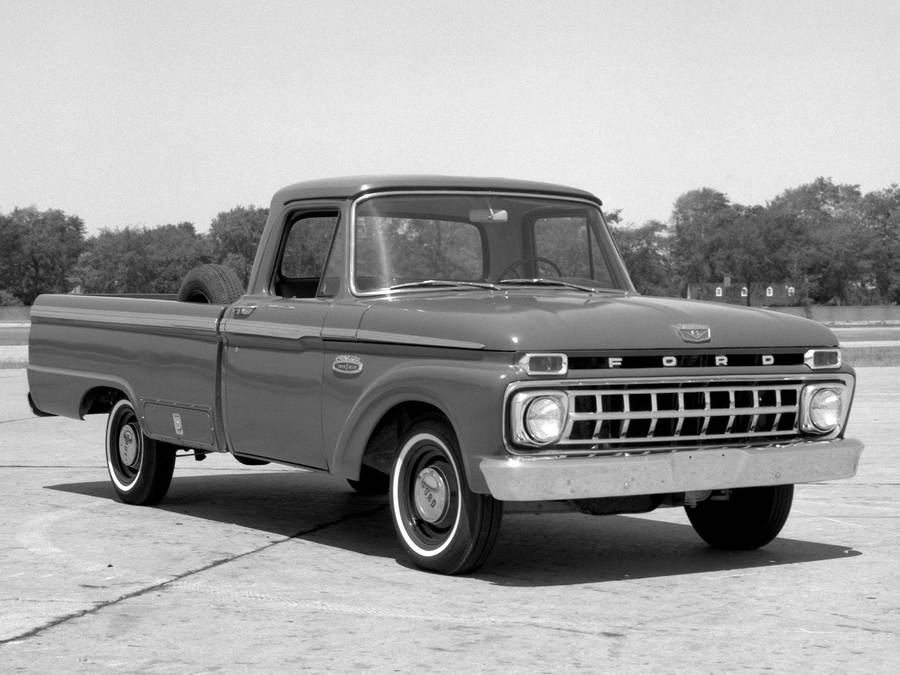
x=881 y=211
x=645 y=250
x=234 y=236
x=696 y=217
x=12 y=259
x=828 y=219
x=745 y=249
x=139 y=260
x=40 y=250
x=171 y=252
x=111 y=262
x=7 y=299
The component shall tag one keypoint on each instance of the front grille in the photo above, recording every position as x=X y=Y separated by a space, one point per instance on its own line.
x=627 y=417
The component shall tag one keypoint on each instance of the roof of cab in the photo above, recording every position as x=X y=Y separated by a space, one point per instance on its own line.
x=355 y=186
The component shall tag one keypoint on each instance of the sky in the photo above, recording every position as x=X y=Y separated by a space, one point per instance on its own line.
x=144 y=113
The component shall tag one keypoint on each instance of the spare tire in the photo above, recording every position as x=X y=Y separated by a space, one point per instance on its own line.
x=212 y=285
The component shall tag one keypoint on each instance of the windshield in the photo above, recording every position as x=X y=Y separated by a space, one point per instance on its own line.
x=470 y=242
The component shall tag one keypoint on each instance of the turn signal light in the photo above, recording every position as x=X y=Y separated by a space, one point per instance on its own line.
x=817 y=359
x=545 y=364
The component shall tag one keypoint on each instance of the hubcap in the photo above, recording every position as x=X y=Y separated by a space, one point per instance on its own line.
x=128 y=446
x=430 y=494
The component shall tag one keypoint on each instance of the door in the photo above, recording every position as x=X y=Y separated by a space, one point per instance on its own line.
x=273 y=356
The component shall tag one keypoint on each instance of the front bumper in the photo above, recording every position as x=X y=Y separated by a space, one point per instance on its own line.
x=546 y=478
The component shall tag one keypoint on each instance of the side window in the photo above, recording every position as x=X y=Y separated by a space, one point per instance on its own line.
x=303 y=255
x=334 y=270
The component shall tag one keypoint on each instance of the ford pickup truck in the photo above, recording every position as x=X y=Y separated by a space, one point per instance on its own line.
x=463 y=346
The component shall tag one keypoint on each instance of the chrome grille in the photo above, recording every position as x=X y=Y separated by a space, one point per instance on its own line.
x=622 y=417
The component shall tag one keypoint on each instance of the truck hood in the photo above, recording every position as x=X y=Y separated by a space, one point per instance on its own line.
x=568 y=321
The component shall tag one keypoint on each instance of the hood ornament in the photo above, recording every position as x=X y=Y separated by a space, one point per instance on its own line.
x=693 y=332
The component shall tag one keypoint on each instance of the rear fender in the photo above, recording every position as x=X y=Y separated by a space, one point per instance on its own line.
x=64 y=392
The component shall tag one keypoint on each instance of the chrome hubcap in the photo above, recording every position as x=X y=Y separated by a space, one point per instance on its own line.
x=431 y=494
x=128 y=446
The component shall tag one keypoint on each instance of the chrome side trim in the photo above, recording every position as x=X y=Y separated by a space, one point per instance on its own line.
x=400 y=338
x=284 y=331
x=124 y=318
x=271 y=329
x=339 y=333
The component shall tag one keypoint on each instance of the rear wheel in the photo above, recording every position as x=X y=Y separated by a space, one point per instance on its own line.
x=139 y=467
x=441 y=523
x=748 y=519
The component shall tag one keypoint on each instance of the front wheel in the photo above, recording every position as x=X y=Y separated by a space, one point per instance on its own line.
x=747 y=519
x=139 y=467
x=442 y=525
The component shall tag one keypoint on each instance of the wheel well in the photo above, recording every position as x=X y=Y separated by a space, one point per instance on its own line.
x=384 y=440
x=100 y=400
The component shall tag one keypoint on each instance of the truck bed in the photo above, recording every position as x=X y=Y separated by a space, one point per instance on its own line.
x=162 y=353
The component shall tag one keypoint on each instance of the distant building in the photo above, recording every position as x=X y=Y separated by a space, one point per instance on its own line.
x=766 y=294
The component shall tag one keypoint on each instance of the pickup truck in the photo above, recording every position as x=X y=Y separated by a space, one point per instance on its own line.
x=463 y=346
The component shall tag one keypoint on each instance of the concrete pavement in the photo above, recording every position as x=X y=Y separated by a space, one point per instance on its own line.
x=266 y=569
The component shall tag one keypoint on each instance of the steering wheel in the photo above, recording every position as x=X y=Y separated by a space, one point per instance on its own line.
x=522 y=261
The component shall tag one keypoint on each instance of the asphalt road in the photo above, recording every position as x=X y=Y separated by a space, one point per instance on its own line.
x=269 y=570
x=13 y=334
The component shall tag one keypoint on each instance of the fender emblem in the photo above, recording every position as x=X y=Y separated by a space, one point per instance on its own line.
x=347 y=364
x=693 y=332
x=176 y=422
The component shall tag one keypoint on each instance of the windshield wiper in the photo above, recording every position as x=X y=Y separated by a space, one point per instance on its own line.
x=445 y=283
x=548 y=282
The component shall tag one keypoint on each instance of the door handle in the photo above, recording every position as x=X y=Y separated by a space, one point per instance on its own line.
x=243 y=311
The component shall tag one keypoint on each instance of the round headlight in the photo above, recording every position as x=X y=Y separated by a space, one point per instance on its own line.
x=825 y=409
x=544 y=419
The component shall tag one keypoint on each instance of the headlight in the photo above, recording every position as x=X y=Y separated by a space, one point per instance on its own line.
x=539 y=417
x=544 y=419
x=823 y=408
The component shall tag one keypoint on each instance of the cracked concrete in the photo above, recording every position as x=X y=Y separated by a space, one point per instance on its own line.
x=266 y=569
x=177 y=578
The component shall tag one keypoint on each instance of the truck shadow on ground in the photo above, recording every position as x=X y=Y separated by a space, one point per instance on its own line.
x=532 y=550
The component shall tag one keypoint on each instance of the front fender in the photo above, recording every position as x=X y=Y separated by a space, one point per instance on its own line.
x=469 y=394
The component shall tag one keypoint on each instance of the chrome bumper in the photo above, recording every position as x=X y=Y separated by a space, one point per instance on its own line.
x=542 y=478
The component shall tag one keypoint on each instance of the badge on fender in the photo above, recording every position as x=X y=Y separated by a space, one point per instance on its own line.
x=347 y=364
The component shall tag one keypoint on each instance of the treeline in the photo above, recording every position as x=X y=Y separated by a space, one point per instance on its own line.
x=47 y=252
x=831 y=242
